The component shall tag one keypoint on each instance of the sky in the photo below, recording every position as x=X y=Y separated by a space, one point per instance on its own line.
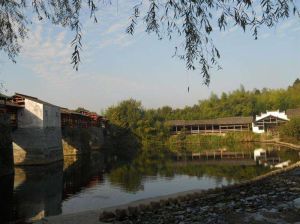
x=117 y=66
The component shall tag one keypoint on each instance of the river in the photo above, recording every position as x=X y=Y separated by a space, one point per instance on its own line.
x=93 y=182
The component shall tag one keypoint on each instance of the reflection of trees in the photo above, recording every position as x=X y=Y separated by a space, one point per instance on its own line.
x=128 y=178
x=149 y=163
x=131 y=176
x=288 y=154
x=197 y=143
x=229 y=172
x=80 y=172
x=6 y=198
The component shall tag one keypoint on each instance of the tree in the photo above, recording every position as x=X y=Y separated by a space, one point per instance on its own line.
x=297 y=82
x=193 y=20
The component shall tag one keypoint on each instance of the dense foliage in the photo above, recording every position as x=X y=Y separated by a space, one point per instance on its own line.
x=199 y=143
x=194 y=21
x=291 y=131
x=130 y=116
x=238 y=103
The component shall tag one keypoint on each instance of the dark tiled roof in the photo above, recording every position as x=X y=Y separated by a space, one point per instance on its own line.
x=217 y=121
x=67 y=111
x=293 y=113
x=2 y=97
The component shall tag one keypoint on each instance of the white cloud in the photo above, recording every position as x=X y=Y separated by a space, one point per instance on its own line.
x=47 y=53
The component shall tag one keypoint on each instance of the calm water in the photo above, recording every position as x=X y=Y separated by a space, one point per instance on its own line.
x=86 y=183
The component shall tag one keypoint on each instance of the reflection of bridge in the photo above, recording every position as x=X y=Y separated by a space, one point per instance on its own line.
x=216 y=155
x=38 y=191
x=258 y=156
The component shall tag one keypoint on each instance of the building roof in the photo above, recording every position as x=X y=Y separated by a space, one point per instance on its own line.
x=4 y=97
x=68 y=111
x=35 y=99
x=217 y=121
x=9 y=104
x=276 y=114
x=293 y=113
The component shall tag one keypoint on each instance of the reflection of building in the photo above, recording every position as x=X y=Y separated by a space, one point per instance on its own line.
x=269 y=121
x=6 y=199
x=269 y=158
x=31 y=194
x=258 y=153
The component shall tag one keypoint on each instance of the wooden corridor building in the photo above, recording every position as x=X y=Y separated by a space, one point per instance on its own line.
x=9 y=108
x=218 y=125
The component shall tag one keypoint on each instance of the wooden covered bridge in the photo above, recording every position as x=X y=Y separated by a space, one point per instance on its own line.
x=218 y=125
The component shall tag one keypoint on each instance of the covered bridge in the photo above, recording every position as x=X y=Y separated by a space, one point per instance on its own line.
x=10 y=109
x=218 y=125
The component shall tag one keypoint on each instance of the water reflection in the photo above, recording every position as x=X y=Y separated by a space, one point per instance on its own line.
x=90 y=182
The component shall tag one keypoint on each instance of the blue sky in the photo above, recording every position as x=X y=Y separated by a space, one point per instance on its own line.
x=117 y=66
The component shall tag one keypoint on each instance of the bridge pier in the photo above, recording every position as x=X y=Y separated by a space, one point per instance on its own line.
x=6 y=151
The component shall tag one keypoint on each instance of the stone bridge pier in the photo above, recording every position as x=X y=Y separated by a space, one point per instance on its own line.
x=6 y=152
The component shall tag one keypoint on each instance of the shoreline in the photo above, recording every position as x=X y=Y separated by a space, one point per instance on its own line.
x=289 y=145
x=137 y=207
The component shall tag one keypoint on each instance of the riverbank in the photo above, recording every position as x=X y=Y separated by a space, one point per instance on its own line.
x=270 y=198
x=281 y=143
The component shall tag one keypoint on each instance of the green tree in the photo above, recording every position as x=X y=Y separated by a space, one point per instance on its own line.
x=291 y=130
x=126 y=114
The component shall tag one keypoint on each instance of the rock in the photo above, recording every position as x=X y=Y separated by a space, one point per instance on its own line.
x=132 y=211
x=297 y=203
x=121 y=214
x=155 y=205
x=107 y=216
x=143 y=207
x=188 y=210
x=294 y=189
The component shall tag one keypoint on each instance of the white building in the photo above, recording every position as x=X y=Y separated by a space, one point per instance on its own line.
x=37 y=140
x=268 y=121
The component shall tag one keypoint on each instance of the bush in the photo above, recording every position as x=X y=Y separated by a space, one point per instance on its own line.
x=291 y=130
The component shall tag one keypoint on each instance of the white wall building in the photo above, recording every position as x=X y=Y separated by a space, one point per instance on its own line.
x=37 y=140
x=268 y=121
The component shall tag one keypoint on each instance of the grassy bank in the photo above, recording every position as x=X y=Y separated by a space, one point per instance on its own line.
x=198 y=143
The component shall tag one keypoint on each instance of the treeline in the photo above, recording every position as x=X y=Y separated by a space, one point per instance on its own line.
x=237 y=103
x=290 y=132
x=130 y=116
